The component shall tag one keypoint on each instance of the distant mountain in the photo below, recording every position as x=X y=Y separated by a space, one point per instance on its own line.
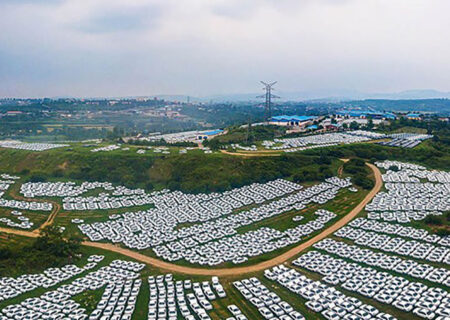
x=414 y=94
x=331 y=95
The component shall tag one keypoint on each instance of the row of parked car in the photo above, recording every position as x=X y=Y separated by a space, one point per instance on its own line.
x=400 y=230
x=217 y=240
x=122 y=284
x=239 y=247
x=408 y=267
x=196 y=204
x=70 y=190
x=268 y=303
x=19 y=204
x=319 y=140
x=22 y=223
x=402 y=216
x=412 y=193
x=118 y=301
x=107 y=148
x=426 y=302
x=321 y=298
x=171 y=299
x=397 y=245
x=14 y=287
x=30 y=146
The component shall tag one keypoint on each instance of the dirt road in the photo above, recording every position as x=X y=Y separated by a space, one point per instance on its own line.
x=257 y=267
x=255 y=154
x=51 y=216
x=170 y=267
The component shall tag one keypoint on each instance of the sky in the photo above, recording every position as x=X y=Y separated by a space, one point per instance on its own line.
x=101 y=48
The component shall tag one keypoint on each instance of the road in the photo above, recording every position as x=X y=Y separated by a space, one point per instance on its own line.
x=56 y=208
x=170 y=267
x=254 y=154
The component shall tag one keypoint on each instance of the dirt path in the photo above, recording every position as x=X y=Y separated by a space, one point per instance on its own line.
x=341 y=168
x=55 y=210
x=255 y=154
x=257 y=267
x=238 y=270
x=23 y=233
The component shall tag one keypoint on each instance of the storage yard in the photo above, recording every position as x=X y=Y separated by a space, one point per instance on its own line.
x=382 y=262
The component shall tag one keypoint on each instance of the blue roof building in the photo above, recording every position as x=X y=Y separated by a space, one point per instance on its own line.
x=212 y=133
x=413 y=115
x=292 y=118
x=367 y=114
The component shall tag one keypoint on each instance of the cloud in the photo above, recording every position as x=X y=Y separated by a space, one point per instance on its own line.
x=144 y=47
x=120 y=19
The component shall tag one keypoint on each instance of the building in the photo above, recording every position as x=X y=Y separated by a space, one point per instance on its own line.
x=209 y=134
x=414 y=116
x=13 y=113
x=292 y=121
x=350 y=114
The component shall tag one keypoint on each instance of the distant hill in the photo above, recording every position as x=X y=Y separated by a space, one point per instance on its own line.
x=333 y=95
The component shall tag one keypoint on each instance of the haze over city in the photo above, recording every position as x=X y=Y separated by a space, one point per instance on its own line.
x=116 y=48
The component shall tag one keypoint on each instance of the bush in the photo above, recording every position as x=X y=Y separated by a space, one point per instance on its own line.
x=363 y=181
x=38 y=177
x=355 y=166
x=394 y=168
x=434 y=220
x=443 y=232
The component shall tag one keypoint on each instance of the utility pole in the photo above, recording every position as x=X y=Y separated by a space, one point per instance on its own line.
x=248 y=130
x=268 y=88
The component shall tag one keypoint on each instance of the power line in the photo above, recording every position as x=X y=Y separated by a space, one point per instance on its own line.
x=268 y=87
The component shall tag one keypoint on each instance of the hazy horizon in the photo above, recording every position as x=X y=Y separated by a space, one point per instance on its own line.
x=113 y=48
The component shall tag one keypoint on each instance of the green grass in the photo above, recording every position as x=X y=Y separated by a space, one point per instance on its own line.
x=37 y=217
x=89 y=299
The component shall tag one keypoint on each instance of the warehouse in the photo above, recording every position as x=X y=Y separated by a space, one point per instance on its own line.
x=292 y=121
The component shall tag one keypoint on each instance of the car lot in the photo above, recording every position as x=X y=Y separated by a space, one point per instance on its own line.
x=412 y=193
x=13 y=287
x=407 y=296
x=406 y=140
x=213 y=237
x=30 y=146
x=5 y=183
x=315 y=141
x=268 y=303
x=111 y=147
x=400 y=230
x=398 y=245
x=408 y=267
x=321 y=298
x=120 y=279
x=175 y=299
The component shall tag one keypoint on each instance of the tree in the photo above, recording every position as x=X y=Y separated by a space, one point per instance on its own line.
x=370 y=124
x=52 y=241
x=354 y=125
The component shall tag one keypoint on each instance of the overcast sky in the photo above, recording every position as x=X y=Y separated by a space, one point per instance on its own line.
x=88 y=48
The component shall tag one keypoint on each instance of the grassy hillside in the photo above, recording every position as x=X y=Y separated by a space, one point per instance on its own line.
x=192 y=172
x=199 y=172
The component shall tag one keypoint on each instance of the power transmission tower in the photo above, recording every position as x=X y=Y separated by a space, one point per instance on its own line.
x=248 y=129
x=268 y=87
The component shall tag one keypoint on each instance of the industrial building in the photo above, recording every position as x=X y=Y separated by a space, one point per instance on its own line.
x=292 y=121
x=358 y=114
